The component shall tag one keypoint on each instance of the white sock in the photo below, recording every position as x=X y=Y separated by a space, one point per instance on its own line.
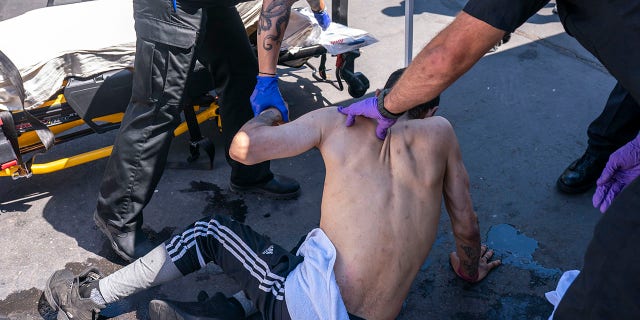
x=151 y=270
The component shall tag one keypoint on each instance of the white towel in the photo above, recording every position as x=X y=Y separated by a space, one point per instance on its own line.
x=311 y=291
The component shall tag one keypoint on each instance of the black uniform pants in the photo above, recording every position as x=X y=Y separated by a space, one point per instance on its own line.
x=618 y=123
x=166 y=52
x=610 y=30
x=258 y=265
x=608 y=287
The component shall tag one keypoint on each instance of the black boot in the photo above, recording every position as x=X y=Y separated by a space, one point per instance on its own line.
x=217 y=307
x=128 y=245
x=280 y=187
x=582 y=174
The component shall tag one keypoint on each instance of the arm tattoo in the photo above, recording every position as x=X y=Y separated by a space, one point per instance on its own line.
x=314 y=4
x=280 y=10
x=470 y=265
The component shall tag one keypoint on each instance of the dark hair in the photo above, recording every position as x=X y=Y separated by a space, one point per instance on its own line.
x=419 y=110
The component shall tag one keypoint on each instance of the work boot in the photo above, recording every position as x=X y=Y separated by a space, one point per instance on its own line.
x=63 y=294
x=280 y=187
x=217 y=307
x=129 y=245
x=582 y=174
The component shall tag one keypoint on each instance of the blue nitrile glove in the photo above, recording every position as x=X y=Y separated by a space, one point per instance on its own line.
x=368 y=108
x=324 y=20
x=266 y=95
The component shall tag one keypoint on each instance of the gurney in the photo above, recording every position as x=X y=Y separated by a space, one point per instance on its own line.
x=68 y=89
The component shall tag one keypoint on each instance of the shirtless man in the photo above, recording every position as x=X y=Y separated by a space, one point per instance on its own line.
x=379 y=218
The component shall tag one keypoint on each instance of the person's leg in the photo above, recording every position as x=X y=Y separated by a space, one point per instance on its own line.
x=618 y=123
x=258 y=265
x=608 y=287
x=164 y=55
x=227 y=52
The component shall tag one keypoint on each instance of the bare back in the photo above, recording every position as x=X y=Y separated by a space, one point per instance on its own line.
x=381 y=206
x=381 y=200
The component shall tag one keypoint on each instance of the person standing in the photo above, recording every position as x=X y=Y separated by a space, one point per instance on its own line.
x=171 y=35
x=607 y=29
x=618 y=124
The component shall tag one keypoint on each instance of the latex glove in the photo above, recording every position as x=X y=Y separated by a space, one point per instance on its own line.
x=367 y=108
x=324 y=20
x=267 y=94
x=622 y=168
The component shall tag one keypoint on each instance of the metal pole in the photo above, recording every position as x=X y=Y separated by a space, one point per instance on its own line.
x=408 y=32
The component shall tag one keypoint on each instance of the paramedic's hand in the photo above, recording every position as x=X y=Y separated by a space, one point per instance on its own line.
x=484 y=266
x=622 y=168
x=368 y=108
x=324 y=20
x=266 y=95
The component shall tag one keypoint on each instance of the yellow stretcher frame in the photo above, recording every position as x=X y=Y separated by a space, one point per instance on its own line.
x=30 y=138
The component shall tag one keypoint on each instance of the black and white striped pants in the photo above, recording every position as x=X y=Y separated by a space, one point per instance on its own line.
x=257 y=264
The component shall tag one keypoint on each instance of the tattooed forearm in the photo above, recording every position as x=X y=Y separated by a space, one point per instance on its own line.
x=277 y=11
x=470 y=261
x=316 y=5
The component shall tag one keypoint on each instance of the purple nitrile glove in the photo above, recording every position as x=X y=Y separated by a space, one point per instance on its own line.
x=367 y=108
x=267 y=94
x=622 y=168
x=324 y=20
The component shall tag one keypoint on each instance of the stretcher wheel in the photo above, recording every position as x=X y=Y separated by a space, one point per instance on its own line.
x=206 y=145
x=358 y=84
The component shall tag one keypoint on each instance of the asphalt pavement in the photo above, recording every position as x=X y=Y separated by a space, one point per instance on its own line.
x=520 y=115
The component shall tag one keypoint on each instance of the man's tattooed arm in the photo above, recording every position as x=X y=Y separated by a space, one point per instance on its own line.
x=469 y=262
x=316 y=5
x=272 y=23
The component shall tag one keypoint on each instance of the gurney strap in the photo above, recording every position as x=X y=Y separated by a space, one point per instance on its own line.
x=12 y=73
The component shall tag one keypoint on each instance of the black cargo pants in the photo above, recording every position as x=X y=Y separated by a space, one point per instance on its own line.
x=610 y=30
x=166 y=51
x=608 y=287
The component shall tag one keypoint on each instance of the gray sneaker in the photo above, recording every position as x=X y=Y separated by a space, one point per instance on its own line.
x=62 y=293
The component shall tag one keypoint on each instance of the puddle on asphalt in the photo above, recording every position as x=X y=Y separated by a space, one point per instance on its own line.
x=219 y=202
x=514 y=248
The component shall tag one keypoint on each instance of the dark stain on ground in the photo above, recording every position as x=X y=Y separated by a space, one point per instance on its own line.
x=538 y=281
x=220 y=202
x=519 y=306
x=425 y=287
x=20 y=305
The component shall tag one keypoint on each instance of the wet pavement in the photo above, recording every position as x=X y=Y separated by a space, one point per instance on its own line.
x=520 y=115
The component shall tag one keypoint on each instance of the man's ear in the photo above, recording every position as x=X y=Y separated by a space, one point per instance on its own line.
x=378 y=92
x=432 y=111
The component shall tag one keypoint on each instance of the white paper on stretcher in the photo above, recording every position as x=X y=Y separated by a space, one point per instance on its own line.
x=340 y=39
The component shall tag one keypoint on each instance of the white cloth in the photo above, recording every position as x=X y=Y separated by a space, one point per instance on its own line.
x=564 y=283
x=85 y=39
x=50 y=44
x=311 y=291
